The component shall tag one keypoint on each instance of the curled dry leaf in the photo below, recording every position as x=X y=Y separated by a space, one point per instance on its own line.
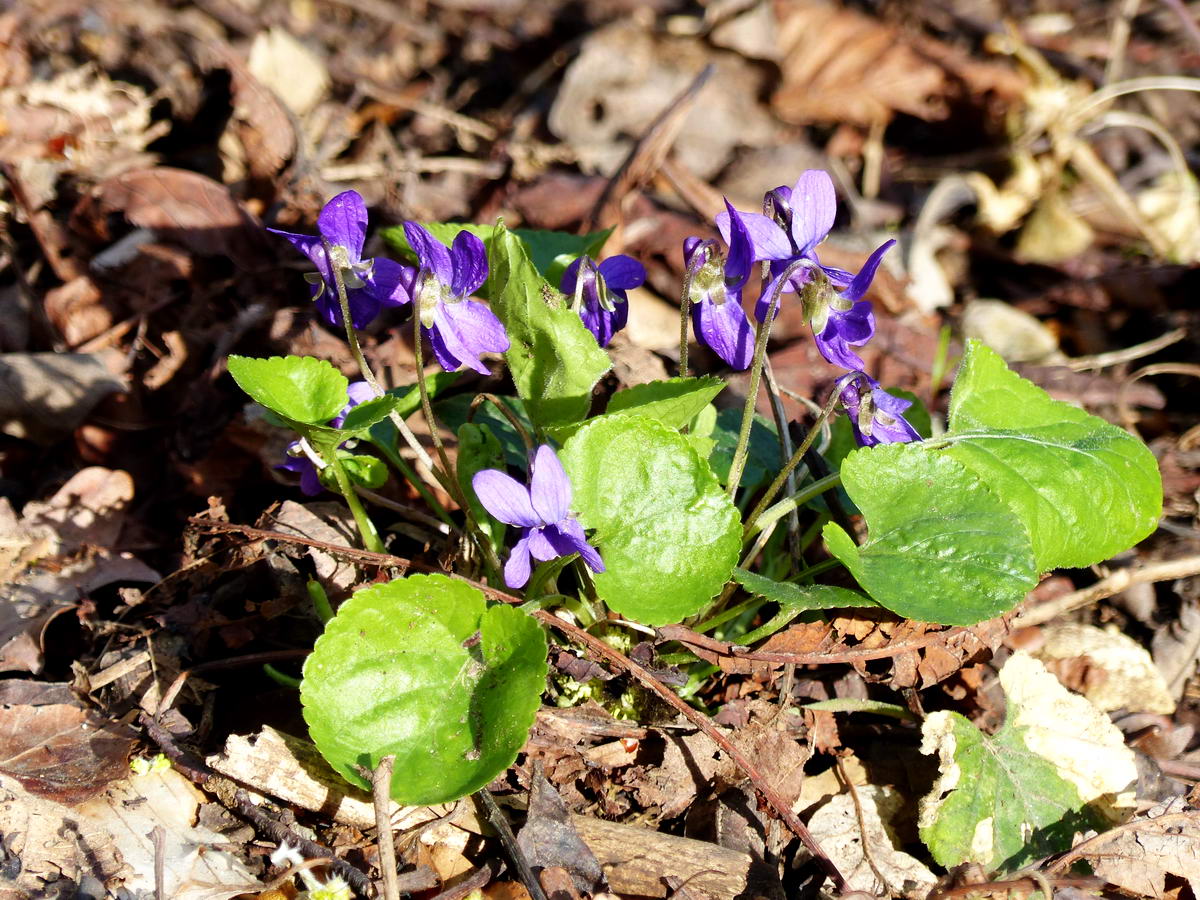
x=1176 y=648
x=186 y=207
x=88 y=510
x=1109 y=668
x=842 y=66
x=59 y=750
x=44 y=396
x=865 y=852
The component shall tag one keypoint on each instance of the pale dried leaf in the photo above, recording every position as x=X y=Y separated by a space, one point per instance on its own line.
x=1084 y=746
x=109 y=838
x=44 y=396
x=1176 y=648
x=837 y=829
x=89 y=509
x=1166 y=840
x=322 y=521
x=289 y=68
x=21 y=542
x=1013 y=333
x=1128 y=678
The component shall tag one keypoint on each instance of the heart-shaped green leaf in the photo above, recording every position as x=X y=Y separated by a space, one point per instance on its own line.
x=942 y=546
x=423 y=669
x=300 y=388
x=668 y=534
x=674 y=402
x=1084 y=488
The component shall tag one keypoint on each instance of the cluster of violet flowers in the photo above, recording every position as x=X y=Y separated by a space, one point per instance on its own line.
x=783 y=240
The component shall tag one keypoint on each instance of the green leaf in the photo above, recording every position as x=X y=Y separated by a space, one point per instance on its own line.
x=674 y=402
x=668 y=534
x=397 y=672
x=478 y=449
x=554 y=360
x=1084 y=488
x=762 y=457
x=1057 y=766
x=550 y=251
x=800 y=597
x=300 y=388
x=942 y=547
x=853 y=705
x=361 y=469
x=368 y=413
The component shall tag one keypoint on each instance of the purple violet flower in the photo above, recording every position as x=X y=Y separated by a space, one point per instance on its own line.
x=800 y=219
x=715 y=282
x=301 y=463
x=458 y=329
x=876 y=416
x=599 y=292
x=542 y=511
x=370 y=283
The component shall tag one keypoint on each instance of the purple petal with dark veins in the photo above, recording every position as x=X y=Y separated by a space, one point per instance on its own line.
x=862 y=281
x=834 y=348
x=725 y=328
x=364 y=305
x=814 y=206
x=312 y=248
x=549 y=486
x=568 y=536
x=768 y=239
x=516 y=570
x=622 y=273
x=540 y=547
x=468 y=329
x=856 y=325
x=432 y=253
x=469 y=258
x=740 y=260
x=343 y=221
x=505 y=498
x=602 y=323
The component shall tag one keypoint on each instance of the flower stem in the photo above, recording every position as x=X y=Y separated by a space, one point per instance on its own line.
x=685 y=309
x=760 y=353
x=356 y=351
x=503 y=409
x=366 y=528
x=797 y=455
x=789 y=504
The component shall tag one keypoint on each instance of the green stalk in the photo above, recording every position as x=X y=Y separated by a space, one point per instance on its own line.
x=337 y=261
x=685 y=308
x=797 y=455
x=426 y=494
x=760 y=352
x=788 y=504
x=366 y=528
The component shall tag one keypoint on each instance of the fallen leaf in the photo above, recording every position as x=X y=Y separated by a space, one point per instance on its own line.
x=1128 y=677
x=1138 y=855
x=289 y=68
x=61 y=751
x=1011 y=332
x=866 y=853
x=1176 y=648
x=187 y=207
x=110 y=838
x=1057 y=766
x=45 y=396
x=549 y=839
x=88 y=510
x=77 y=311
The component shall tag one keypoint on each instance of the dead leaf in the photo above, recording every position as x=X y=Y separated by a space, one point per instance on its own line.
x=1013 y=333
x=1128 y=677
x=88 y=510
x=77 y=311
x=1138 y=855
x=1176 y=648
x=21 y=542
x=59 y=750
x=322 y=521
x=294 y=72
x=549 y=840
x=109 y=838
x=624 y=76
x=44 y=396
x=187 y=207
x=866 y=853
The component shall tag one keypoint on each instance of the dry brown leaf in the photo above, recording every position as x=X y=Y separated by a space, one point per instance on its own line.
x=88 y=510
x=842 y=66
x=836 y=827
x=1176 y=648
x=1118 y=672
x=59 y=750
x=44 y=396
x=549 y=839
x=77 y=310
x=1138 y=855
x=187 y=207
x=289 y=68
x=110 y=838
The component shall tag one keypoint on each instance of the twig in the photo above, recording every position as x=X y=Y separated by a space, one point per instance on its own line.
x=381 y=784
x=1118 y=581
x=1126 y=354
x=478 y=880
x=1029 y=883
x=869 y=856
x=598 y=648
x=159 y=837
x=498 y=820
x=1128 y=419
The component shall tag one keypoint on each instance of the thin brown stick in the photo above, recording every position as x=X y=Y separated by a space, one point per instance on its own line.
x=381 y=793
x=499 y=821
x=600 y=649
x=1118 y=581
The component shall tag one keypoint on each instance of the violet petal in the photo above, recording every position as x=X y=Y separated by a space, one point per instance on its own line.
x=517 y=569
x=505 y=498
x=622 y=273
x=343 y=221
x=469 y=329
x=862 y=281
x=433 y=254
x=391 y=282
x=725 y=328
x=769 y=240
x=540 y=547
x=569 y=538
x=549 y=486
x=814 y=206
x=469 y=258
